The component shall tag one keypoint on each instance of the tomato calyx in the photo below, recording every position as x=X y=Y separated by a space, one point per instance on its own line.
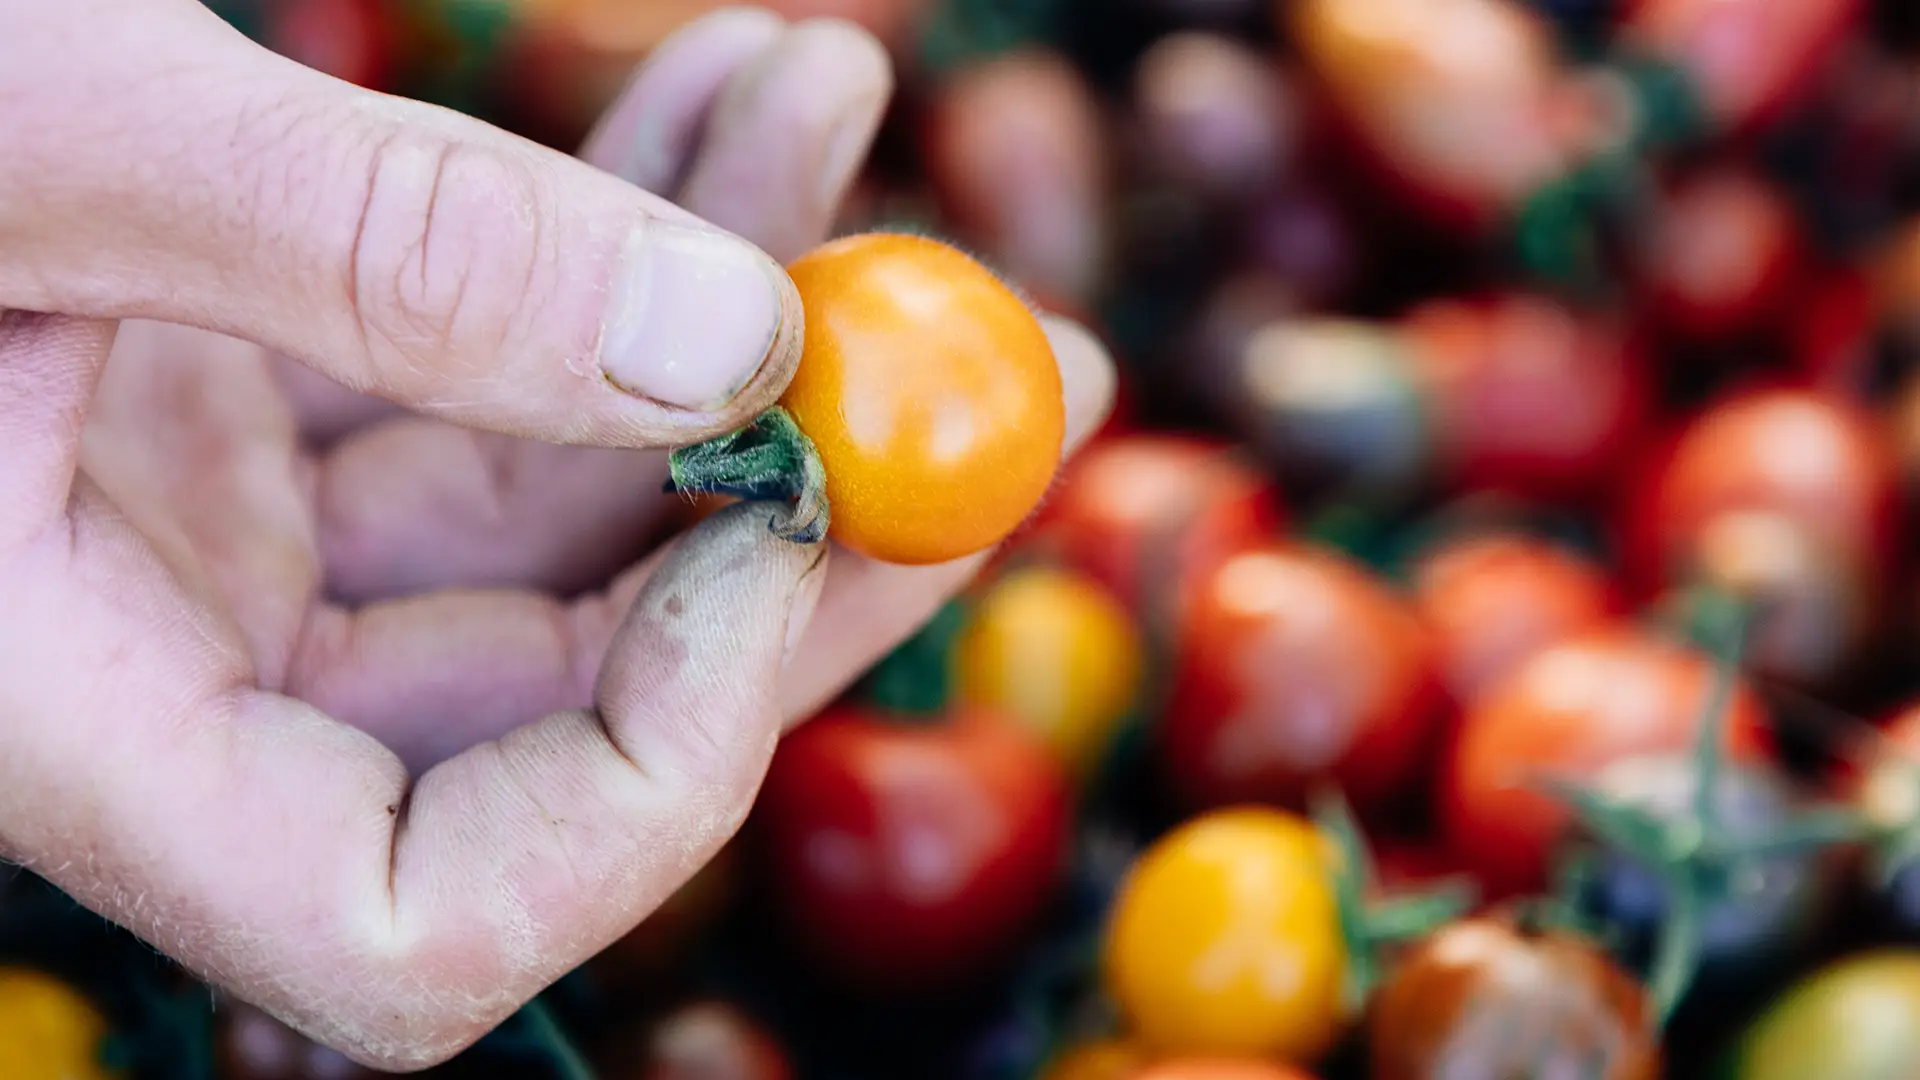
x=1691 y=851
x=1371 y=923
x=770 y=459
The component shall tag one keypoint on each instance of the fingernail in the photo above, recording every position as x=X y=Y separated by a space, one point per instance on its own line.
x=846 y=148
x=806 y=596
x=694 y=315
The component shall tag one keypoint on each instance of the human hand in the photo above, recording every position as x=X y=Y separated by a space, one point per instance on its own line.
x=193 y=587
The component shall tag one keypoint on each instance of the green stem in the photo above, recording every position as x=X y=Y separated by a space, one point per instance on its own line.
x=1677 y=954
x=1725 y=618
x=567 y=1059
x=769 y=459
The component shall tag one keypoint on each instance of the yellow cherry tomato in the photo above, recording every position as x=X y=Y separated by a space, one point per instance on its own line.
x=931 y=393
x=1109 y=1059
x=1056 y=651
x=1225 y=939
x=48 y=1030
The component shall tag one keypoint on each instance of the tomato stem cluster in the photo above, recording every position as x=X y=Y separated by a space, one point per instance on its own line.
x=1368 y=924
x=769 y=459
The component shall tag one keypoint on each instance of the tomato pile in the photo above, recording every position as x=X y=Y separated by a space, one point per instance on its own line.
x=1480 y=645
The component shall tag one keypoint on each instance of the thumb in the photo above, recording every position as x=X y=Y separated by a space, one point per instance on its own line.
x=157 y=164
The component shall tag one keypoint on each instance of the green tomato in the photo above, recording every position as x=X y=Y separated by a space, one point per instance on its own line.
x=1856 y=1019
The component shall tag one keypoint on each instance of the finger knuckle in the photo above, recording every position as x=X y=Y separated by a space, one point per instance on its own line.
x=447 y=252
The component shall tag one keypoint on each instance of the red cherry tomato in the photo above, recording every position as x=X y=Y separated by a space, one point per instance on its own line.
x=1492 y=600
x=1456 y=100
x=1724 y=257
x=1813 y=458
x=1834 y=331
x=908 y=856
x=348 y=39
x=251 y=1045
x=1014 y=150
x=1146 y=514
x=1297 y=666
x=1213 y=115
x=1566 y=712
x=1528 y=397
x=1747 y=59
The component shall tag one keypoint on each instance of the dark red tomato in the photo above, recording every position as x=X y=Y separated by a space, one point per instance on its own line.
x=1748 y=60
x=1566 y=712
x=1491 y=600
x=1486 y=998
x=348 y=39
x=1147 y=514
x=1814 y=458
x=1014 y=150
x=1724 y=257
x=908 y=857
x=1402 y=864
x=1527 y=397
x=1297 y=666
x=708 y=1040
x=252 y=1045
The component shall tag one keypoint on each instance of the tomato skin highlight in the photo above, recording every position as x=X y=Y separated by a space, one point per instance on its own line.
x=1492 y=600
x=1145 y=515
x=1296 y=665
x=1569 y=710
x=1511 y=1003
x=1202 y=919
x=1055 y=651
x=911 y=857
x=709 y=1040
x=931 y=393
x=48 y=1030
x=1858 y=1018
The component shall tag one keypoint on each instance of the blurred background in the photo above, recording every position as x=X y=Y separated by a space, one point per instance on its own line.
x=1480 y=359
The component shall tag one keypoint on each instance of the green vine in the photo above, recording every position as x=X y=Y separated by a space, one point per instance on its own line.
x=1369 y=924
x=769 y=459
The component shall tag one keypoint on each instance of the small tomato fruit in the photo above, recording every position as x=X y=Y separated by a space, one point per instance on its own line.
x=1054 y=650
x=1225 y=939
x=931 y=393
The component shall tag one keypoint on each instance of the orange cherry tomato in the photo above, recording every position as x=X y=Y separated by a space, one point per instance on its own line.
x=1054 y=650
x=931 y=393
x=1568 y=711
x=48 y=1030
x=1225 y=939
x=1218 y=1069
